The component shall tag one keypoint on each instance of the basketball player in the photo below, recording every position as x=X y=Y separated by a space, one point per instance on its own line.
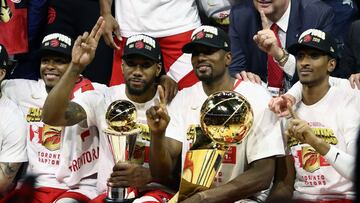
x=323 y=132
x=62 y=159
x=12 y=132
x=248 y=167
x=141 y=68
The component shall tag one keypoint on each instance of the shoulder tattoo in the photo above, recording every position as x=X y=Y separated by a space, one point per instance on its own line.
x=74 y=113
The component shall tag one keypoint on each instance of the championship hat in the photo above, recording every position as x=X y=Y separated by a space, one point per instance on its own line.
x=316 y=39
x=56 y=43
x=208 y=36
x=143 y=45
x=4 y=57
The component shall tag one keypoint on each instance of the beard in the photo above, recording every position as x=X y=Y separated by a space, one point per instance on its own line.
x=139 y=91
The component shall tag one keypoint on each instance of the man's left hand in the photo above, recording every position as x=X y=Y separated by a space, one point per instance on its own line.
x=129 y=175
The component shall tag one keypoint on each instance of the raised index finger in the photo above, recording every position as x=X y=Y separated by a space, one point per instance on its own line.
x=264 y=20
x=163 y=100
x=292 y=113
x=97 y=30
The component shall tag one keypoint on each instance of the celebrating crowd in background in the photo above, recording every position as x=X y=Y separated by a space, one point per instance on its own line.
x=68 y=69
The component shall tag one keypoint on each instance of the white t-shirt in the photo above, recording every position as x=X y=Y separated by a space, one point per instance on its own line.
x=95 y=104
x=12 y=132
x=335 y=119
x=264 y=139
x=158 y=18
x=44 y=142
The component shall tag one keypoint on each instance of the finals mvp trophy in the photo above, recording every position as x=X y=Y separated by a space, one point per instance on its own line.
x=225 y=118
x=122 y=132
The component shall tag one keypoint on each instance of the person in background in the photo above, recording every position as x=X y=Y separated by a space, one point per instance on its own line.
x=141 y=67
x=261 y=31
x=320 y=164
x=12 y=133
x=250 y=165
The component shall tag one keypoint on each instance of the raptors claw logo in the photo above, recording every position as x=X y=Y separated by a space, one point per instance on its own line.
x=5 y=12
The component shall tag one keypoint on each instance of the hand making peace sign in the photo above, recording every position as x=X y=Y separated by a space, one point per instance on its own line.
x=85 y=45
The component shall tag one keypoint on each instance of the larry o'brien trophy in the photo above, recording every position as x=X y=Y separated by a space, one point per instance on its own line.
x=225 y=118
x=122 y=132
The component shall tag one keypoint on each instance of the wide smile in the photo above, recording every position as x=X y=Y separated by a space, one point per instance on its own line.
x=51 y=76
x=203 y=67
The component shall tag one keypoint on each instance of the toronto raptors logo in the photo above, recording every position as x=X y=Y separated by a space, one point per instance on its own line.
x=307 y=38
x=51 y=137
x=200 y=35
x=51 y=15
x=139 y=45
x=54 y=43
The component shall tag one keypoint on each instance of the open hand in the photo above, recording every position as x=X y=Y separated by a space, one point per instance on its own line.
x=111 y=27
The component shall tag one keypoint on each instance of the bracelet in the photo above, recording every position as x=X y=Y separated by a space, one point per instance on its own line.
x=284 y=58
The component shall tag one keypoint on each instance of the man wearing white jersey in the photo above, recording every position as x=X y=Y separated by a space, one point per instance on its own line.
x=12 y=132
x=248 y=167
x=323 y=132
x=141 y=67
x=62 y=159
x=170 y=21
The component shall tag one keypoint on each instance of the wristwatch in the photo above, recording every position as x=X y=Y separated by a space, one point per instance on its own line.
x=281 y=61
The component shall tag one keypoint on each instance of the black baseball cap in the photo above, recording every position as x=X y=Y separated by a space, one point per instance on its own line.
x=4 y=57
x=143 y=45
x=58 y=44
x=5 y=62
x=209 y=36
x=316 y=39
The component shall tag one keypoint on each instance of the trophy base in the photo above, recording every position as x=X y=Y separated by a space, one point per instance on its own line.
x=108 y=200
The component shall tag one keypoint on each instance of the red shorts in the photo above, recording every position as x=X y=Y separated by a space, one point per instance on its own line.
x=42 y=195
x=153 y=196
x=177 y=64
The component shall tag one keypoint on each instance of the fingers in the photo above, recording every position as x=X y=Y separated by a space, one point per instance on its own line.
x=151 y=113
x=257 y=79
x=121 y=166
x=238 y=76
x=163 y=99
x=117 y=32
x=355 y=80
x=292 y=113
x=264 y=20
x=97 y=30
x=243 y=75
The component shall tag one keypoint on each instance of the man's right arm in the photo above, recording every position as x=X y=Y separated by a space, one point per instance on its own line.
x=58 y=110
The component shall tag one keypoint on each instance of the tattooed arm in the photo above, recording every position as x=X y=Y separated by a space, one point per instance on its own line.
x=8 y=172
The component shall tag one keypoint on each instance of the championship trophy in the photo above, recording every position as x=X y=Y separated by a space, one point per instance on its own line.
x=225 y=118
x=122 y=132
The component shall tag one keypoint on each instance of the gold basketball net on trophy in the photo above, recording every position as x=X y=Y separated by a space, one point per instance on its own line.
x=225 y=118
